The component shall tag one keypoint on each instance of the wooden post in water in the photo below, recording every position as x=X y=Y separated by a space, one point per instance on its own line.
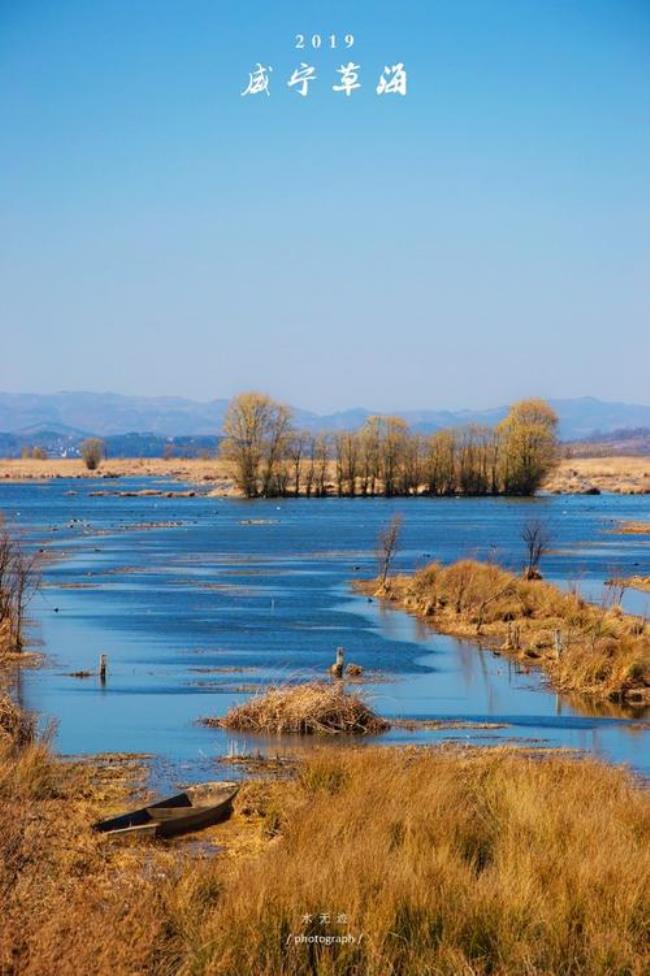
x=558 y=643
x=337 y=668
x=103 y=664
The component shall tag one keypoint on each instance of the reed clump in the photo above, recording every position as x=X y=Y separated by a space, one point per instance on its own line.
x=313 y=708
x=639 y=582
x=596 y=650
x=17 y=727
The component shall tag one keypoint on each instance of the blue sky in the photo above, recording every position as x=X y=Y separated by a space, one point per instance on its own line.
x=485 y=237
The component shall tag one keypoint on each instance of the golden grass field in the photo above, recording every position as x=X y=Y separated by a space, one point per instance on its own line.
x=445 y=861
x=623 y=475
x=182 y=469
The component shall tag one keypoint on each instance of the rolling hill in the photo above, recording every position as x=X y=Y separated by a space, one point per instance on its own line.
x=59 y=421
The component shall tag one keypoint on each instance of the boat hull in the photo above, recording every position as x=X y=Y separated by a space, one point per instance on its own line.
x=194 y=809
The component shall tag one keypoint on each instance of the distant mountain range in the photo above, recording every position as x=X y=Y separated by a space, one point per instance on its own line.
x=58 y=421
x=64 y=442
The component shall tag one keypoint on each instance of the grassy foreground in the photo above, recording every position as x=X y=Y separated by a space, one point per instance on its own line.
x=594 y=650
x=364 y=862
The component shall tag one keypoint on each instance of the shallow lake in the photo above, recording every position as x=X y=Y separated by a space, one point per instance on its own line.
x=198 y=601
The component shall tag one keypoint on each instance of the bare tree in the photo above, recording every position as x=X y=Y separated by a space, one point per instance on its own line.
x=19 y=580
x=395 y=436
x=6 y=559
x=310 y=470
x=388 y=543
x=370 y=445
x=25 y=584
x=297 y=445
x=537 y=539
x=93 y=451
x=256 y=430
x=351 y=460
x=322 y=459
x=274 y=449
x=615 y=588
x=338 y=440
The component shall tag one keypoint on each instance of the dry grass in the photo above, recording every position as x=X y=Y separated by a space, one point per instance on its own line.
x=17 y=727
x=621 y=475
x=181 y=469
x=63 y=899
x=633 y=528
x=442 y=861
x=6 y=642
x=639 y=583
x=604 y=652
x=314 y=708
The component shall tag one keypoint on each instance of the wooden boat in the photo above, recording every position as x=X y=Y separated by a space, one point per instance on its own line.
x=195 y=808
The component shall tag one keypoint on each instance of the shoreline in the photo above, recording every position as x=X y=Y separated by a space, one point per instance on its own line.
x=601 y=654
x=573 y=476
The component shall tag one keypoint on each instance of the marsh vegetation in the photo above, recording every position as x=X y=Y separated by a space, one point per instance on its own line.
x=444 y=861
x=594 y=649
x=310 y=708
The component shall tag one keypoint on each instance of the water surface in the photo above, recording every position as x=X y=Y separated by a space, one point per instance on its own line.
x=198 y=601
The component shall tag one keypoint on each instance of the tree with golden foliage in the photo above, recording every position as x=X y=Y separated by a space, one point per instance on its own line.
x=256 y=442
x=529 y=446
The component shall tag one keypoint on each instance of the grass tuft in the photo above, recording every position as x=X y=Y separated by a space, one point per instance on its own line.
x=315 y=708
x=17 y=727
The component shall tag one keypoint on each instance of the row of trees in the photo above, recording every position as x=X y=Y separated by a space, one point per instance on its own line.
x=270 y=457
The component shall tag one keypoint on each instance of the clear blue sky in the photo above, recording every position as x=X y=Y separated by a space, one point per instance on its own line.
x=484 y=237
